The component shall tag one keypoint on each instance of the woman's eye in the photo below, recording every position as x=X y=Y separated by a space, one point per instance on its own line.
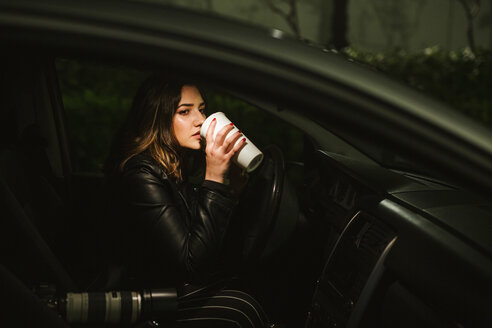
x=202 y=110
x=183 y=111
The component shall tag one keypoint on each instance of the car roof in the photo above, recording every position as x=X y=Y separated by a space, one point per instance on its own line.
x=243 y=56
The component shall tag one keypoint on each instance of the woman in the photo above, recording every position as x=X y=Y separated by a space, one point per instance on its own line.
x=169 y=232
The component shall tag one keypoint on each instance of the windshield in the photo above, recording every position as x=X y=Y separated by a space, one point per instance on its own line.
x=389 y=158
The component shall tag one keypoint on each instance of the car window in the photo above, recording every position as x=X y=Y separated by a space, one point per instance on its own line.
x=97 y=97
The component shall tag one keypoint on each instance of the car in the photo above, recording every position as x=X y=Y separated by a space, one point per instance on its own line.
x=380 y=217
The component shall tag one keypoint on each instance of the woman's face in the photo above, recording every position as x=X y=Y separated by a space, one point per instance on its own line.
x=189 y=117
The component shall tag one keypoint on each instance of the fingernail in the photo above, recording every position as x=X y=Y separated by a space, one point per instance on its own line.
x=244 y=139
x=232 y=124
x=214 y=119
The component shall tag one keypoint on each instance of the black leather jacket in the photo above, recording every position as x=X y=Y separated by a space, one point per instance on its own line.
x=167 y=233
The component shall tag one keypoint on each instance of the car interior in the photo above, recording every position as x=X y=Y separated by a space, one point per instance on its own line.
x=337 y=239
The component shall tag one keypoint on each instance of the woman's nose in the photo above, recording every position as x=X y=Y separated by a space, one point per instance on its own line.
x=199 y=119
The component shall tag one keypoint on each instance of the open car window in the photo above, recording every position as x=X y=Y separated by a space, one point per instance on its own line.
x=97 y=97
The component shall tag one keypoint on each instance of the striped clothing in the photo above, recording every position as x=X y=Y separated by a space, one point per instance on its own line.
x=226 y=307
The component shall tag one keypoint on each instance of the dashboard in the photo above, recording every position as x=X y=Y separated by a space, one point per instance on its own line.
x=399 y=249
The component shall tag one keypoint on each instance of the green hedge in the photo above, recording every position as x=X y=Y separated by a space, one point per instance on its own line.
x=462 y=79
x=96 y=99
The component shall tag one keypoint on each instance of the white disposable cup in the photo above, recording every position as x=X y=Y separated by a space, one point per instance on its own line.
x=249 y=156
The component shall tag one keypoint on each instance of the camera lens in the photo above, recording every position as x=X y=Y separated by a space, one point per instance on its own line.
x=117 y=307
x=109 y=307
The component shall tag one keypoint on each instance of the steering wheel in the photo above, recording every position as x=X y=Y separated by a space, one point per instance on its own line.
x=262 y=228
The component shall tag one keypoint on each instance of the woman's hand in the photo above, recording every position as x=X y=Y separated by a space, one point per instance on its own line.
x=220 y=150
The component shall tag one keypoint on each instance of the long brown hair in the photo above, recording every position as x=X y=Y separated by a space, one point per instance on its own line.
x=149 y=127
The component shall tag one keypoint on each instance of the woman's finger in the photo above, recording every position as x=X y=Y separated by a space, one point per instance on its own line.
x=231 y=141
x=238 y=146
x=210 y=132
x=221 y=135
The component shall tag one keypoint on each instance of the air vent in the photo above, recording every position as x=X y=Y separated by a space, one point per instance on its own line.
x=348 y=268
x=373 y=238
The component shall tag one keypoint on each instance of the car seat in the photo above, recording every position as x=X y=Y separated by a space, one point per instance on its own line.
x=32 y=216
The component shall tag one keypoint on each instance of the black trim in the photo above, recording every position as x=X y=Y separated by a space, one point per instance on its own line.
x=97 y=307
